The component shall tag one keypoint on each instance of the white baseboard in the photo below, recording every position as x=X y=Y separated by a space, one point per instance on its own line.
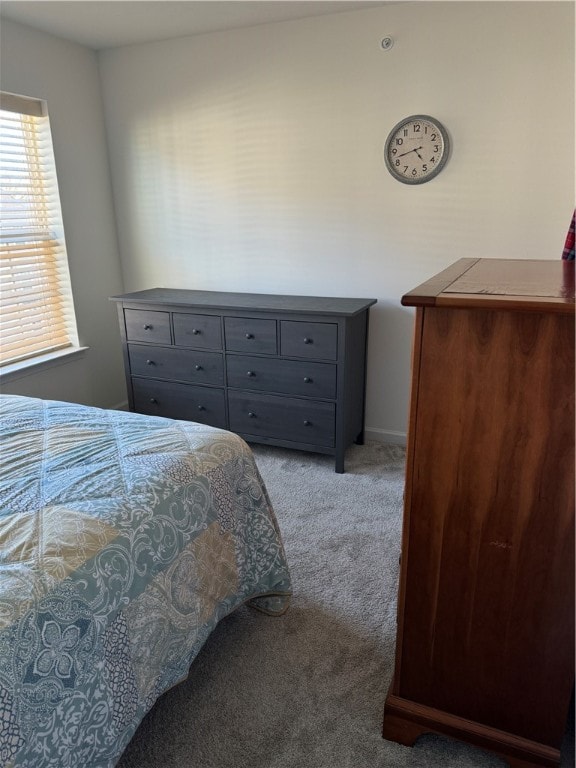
x=123 y=406
x=385 y=436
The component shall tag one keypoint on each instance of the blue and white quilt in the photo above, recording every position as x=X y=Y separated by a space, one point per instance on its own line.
x=124 y=539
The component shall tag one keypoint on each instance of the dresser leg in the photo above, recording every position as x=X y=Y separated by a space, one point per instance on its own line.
x=402 y=731
x=339 y=463
x=360 y=439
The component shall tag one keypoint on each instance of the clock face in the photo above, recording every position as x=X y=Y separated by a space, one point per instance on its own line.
x=416 y=149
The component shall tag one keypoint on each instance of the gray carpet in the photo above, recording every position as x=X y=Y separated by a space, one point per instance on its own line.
x=307 y=690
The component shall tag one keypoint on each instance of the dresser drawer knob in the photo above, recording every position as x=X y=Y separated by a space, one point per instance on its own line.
x=251 y=415
x=307 y=423
x=249 y=335
x=147 y=327
x=198 y=367
x=153 y=400
x=307 y=380
x=201 y=407
x=307 y=340
x=250 y=373
x=195 y=331
x=150 y=362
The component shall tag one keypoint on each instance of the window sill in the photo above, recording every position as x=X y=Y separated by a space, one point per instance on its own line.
x=39 y=363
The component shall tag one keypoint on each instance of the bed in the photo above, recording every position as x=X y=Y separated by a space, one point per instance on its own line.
x=124 y=540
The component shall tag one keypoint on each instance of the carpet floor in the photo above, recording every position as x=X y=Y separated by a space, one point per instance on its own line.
x=307 y=690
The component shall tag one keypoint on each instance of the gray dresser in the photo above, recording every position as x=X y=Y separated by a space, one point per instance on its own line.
x=281 y=370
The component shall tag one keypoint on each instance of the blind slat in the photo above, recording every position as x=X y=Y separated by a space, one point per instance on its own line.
x=28 y=290
x=27 y=251
x=11 y=339
x=10 y=332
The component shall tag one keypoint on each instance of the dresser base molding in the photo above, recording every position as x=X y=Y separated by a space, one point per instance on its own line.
x=405 y=721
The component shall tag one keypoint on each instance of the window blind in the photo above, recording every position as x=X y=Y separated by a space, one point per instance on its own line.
x=36 y=309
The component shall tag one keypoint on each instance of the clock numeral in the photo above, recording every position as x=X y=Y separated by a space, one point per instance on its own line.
x=405 y=168
x=416 y=127
x=424 y=167
x=432 y=159
x=405 y=131
x=397 y=162
x=399 y=142
x=394 y=150
x=414 y=172
x=433 y=137
x=436 y=148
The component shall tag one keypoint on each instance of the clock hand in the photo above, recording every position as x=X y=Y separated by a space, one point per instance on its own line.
x=411 y=150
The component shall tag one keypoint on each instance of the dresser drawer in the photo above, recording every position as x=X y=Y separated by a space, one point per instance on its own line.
x=147 y=325
x=180 y=401
x=283 y=418
x=291 y=377
x=317 y=340
x=199 y=331
x=192 y=365
x=246 y=334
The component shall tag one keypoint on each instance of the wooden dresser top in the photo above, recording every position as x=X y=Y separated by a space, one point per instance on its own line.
x=521 y=284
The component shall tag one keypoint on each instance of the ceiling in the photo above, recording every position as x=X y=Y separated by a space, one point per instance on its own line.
x=110 y=23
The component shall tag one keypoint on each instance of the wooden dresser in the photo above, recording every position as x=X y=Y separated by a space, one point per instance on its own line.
x=485 y=639
x=281 y=370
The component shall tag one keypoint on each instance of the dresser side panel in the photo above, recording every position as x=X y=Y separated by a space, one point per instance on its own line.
x=487 y=628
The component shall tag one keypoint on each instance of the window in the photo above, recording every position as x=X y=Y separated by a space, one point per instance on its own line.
x=36 y=309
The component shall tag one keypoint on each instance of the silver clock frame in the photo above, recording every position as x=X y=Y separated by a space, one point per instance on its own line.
x=443 y=160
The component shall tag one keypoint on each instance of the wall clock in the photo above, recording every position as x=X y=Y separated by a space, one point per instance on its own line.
x=416 y=149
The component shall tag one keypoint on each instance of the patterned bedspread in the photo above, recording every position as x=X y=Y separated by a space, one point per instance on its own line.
x=124 y=539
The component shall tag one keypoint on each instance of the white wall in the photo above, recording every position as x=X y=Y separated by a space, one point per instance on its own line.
x=251 y=160
x=66 y=75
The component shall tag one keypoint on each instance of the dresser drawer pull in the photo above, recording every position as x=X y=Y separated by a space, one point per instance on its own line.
x=201 y=407
x=153 y=400
x=249 y=335
x=307 y=423
x=307 y=380
x=250 y=373
x=150 y=362
x=147 y=327
x=198 y=367
x=196 y=331
x=251 y=415
x=307 y=340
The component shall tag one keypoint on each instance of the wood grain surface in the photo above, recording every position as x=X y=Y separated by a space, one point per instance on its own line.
x=508 y=283
x=489 y=593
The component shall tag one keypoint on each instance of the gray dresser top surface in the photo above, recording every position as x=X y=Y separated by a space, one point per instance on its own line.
x=310 y=305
